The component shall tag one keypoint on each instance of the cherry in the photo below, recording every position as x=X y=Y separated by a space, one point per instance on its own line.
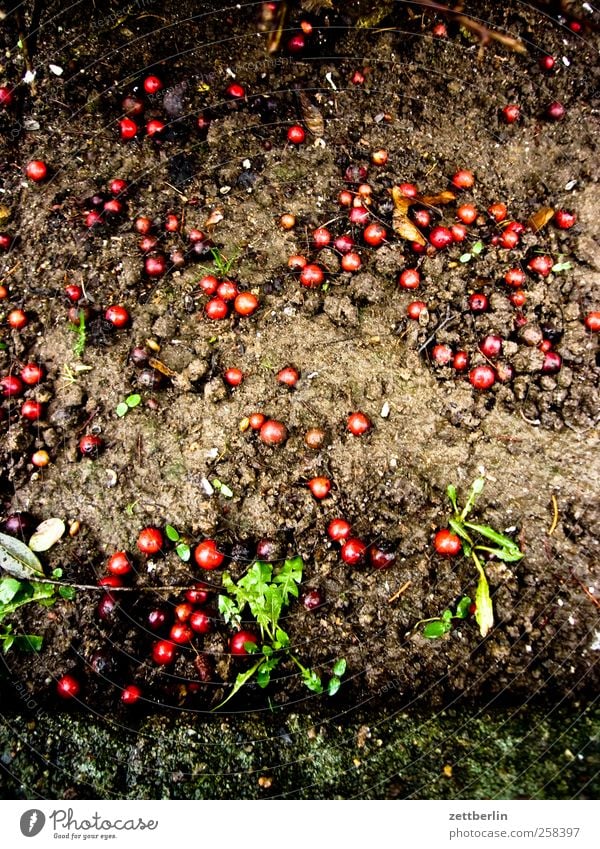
x=209 y=284
x=180 y=633
x=547 y=63
x=514 y=277
x=409 y=279
x=32 y=410
x=321 y=237
x=351 y=262
x=295 y=134
x=339 y=530
x=183 y=611
x=132 y=105
x=113 y=207
x=498 y=211
x=478 y=302
x=111 y=581
x=460 y=361
x=374 y=234
x=511 y=113
x=297 y=43
x=216 y=309
x=552 y=363
x=237 y=643
x=297 y=263
x=233 y=376
x=555 y=111
x=440 y=30
x=11 y=386
x=380 y=558
x=273 y=432
x=564 y=219
x=117 y=316
x=6 y=97
x=440 y=237
x=68 y=687
x=17 y=319
x=150 y=540
x=463 y=179
x=127 y=129
x=3 y=292
x=509 y=239
x=288 y=376
x=422 y=217
x=152 y=85
x=106 y=607
x=246 y=303
x=142 y=225
x=313 y=599
x=359 y=215
x=353 y=551
x=545 y=346
x=379 y=157
x=415 y=308
x=314 y=438
x=541 y=265
x=446 y=543
x=358 y=423
x=200 y=622
x=154 y=127
x=40 y=459
x=441 y=355
x=320 y=487
x=131 y=694
x=592 y=321
x=312 y=276
x=155 y=265
x=36 y=170
x=482 y=377
x=119 y=564
x=357 y=78
x=256 y=421
x=409 y=190
x=207 y=556
x=236 y=91
x=164 y=652
x=93 y=219
x=90 y=445
x=227 y=290
x=198 y=594
x=467 y=213
x=491 y=346
x=156 y=619
x=518 y=298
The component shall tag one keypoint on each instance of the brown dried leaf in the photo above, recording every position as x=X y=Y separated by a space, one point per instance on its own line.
x=312 y=116
x=540 y=218
x=161 y=367
x=440 y=199
x=215 y=216
x=401 y=223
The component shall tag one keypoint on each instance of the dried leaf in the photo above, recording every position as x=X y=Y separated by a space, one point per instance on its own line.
x=161 y=367
x=215 y=216
x=540 y=218
x=436 y=200
x=402 y=224
x=312 y=116
x=47 y=534
x=18 y=560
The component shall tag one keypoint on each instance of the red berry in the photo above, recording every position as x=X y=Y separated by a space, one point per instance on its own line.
x=545 y=346
x=353 y=551
x=150 y=540
x=152 y=85
x=498 y=211
x=345 y=198
x=415 y=308
x=552 y=363
x=36 y=170
x=233 y=376
x=357 y=78
x=5 y=242
x=127 y=128
x=555 y=111
x=90 y=445
x=504 y=372
x=227 y=290
x=68 y=687
x=511 y=113
x=440 y=237
x=379 y=157
x=312 y=276
x=478 y=302
x=440 y=30
x=509 y=239
x=111 y=581
x=491 y=346
x=93 y=219
x=374 y=234
x=183 y=611
x=207 y=556
x=482 y=377
x=422 y=217
x=164 y=652
x=409 y=190
x=73 y=292
x=172 y=223
x=441 y=355
x=119 y=564
x=11 y=386
x=237 y=643
x=6 y=97
x=467 y=213
x=320 y=487
x=339 y=530
x=541 y=265
x=514 y=277
x=117 y=187
x=459 y=232
x=592 y=321
x=288 y=376
x=313 y=599
x=463 y=179
x=154 y=127
x=117 y=316
x=17 y=319
x=180 y=633
x=547 y=63
x=446 y=543
x=156 y=619
x=246 y=304
x=155 y=265
x=200 y=622
x=351 y=262
x=518 y=298
x=216 y=309
x=359 y=215
x=380 y=558
x=296 y=43
x=344 y=244
x=273 y=432
x=564 y=219
x=208 y=283
x=409 y=279
x=236 y=91
x=295 y=134
x=32 y=410
x=131 y=694
x=113 y=207
x=198 y=594
x=142 y=225
x=297 y=263
x=321 y=237
x=256 y=421
x=460 y=361
x=132 y=105
x=359 y=423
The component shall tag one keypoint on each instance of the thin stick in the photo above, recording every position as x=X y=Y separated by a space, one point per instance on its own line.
x=555 y=519
x=402 y=589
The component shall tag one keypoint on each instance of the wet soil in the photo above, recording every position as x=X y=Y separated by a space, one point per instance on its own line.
x=433 y=104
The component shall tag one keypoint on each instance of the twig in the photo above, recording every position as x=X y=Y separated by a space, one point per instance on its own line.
x=555 y=519
x=478 y=29
x=402 y=589
x=110 y=590
x=441 y=326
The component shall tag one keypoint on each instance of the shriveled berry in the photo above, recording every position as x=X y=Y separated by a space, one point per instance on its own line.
x=313 y=599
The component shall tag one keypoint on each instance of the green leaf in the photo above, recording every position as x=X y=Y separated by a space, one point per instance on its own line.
x=133 y=400
x=562 y=266
x=462 y=608
x=251 y=648
x=264 y=672
x=241 y=679
x=3 y=346
x=459 y=529
x=477 y=248
x=435 y=629
x=171 y=533
x=289 y=576
x=465 y=258
x=57 y=573
x=339 y=667
x=273 y=604
x=183 y=551
x=229 y=609
x=312 y=680
x=484 y=614
x=503 y=541
x=216 y=483
x=67 y=593
x=8 y=640
x=18 y=559
x=282 y=638
x=446 y=616
x=452 y=496
x=334 y=685
x=9 y=587
x=122 y=409
x=476 y=490
x=27 y=642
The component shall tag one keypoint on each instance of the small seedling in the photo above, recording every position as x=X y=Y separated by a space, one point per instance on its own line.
x=182 y=548
x=476 y=249
x=437 y=626
x=267 y=592
x=221 y=264
x=561 y=266
x=222 y=488
x=128 y=404
x=81 y=331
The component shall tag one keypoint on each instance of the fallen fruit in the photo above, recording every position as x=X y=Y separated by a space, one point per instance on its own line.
x=482 y=377
x=237 y=643
x=320 y=487
x=68 y=687
x=207 y=556
x=150 y=540
x=358 y=423
x=273 y=432
x=446 y=543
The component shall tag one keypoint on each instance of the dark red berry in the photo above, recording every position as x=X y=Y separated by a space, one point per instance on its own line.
x=201 y=622
x=491 y=346
x=514 y=277
x=90 y=445
x=198 y=594
x=288 y=376
x=273 y=432
x=312 y=276
x=409 y=279
x=547 y=63
x=180 y=633
x=207 y=556
x=339 y=530
x=236 y=91
x=313 y=599
x=440 y=237
x=380 y=558
x=68 y=687
x=555 y=111
x=117 y=316
x=511 y=113
x=164 y=652
x=565 y=219
x=353 y=551
x=119 y=564
x=11 y=386
x=6 y=97
x=237 y=643
x=155 y=127
x=131 y=694
x=592 y=321
x=482 y=377
x=156 y=619
x=446 y=543
x=36 y=170
x=552 y=363
x=321 y=237
x=155 y=265
x=295 y=134
x=478 y=302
